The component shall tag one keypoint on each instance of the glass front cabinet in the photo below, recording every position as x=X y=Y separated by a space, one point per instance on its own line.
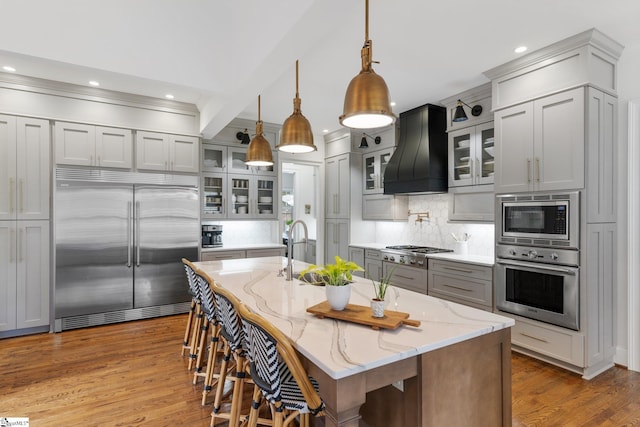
x=252 y=197
x=214 y=195
x=374 y=165
x=471 y=153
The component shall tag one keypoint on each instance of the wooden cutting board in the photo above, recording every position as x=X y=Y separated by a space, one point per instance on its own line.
x=364 y=316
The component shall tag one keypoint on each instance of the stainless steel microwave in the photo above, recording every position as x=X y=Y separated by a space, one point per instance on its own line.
x=539 y=219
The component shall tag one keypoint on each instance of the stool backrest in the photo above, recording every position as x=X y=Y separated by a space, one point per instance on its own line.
x=207 y=299
x=273 y=360
x=227 y=314
x=194 y=288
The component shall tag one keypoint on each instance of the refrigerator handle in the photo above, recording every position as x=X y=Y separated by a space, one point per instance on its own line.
x=129 y=237
x=137 y=234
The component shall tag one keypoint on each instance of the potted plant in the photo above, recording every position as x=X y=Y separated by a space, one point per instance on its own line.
x=380 y=289
x=337 y=280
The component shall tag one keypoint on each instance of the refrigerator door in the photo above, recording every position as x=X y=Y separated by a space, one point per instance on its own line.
x=94 y=259
x=167 y=229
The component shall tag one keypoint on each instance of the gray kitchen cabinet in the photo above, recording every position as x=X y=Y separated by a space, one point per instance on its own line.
x=461 y=282
x=167 y=152
x=24 y=168
x=336 y=239
x=471 y=160
x=407 y=277
x=25 y=281
x=235 y=163
x=221 y=255
x=87 y=145
x=214 y=195
x=385 y=207
x=337 y=172
x=373 y=264
x=539 y=145
x=259 y=253
x=472 y=204
x=309 y=256
x=214 y=158
x=357 y=255
x=251 y=197
x=373 y=166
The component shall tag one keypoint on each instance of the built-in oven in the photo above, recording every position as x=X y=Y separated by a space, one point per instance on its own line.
x=539 y=219
x=539 y=283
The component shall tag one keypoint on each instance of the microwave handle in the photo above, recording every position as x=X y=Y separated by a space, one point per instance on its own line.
x=545 y=267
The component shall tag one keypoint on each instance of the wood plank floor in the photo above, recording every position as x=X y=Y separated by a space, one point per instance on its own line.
x=132 y=374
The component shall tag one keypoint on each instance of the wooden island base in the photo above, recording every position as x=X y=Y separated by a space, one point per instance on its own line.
x=468 y=383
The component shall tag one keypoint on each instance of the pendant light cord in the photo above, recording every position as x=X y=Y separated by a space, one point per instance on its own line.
x=366 y=21
x=297 y=95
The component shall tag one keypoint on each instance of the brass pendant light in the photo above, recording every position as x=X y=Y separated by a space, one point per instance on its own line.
x=366 y=103
x=296 y=135
x=259 y=151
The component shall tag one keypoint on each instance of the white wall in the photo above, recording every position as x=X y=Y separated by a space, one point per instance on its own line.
x=629 y=89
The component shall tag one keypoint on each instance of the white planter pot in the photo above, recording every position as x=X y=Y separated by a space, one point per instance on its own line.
x=338 y=296
x=377 y=307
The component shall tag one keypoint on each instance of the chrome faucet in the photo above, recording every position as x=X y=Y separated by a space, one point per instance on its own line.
x=290 y=243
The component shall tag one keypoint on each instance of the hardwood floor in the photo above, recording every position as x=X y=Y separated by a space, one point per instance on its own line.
x=132 y=374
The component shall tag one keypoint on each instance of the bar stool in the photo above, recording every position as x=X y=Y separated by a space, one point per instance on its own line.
x=211 y=322
x=278 y=374
x=233 y=337
x=195 y=314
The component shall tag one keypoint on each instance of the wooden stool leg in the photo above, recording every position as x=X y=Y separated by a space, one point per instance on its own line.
x=238 y=386
x=187 y=331
x=204 y=332
x=211 y=363
x=221 y=380
x=193 y=353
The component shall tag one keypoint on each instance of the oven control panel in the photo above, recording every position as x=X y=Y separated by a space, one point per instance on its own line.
x=537 y=254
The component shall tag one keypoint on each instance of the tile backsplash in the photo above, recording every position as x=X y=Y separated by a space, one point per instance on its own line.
x=248 y=232
x=436 y=231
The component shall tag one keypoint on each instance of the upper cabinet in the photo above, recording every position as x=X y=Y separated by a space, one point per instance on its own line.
x=471 y=156
x=166 y=152
x=24 y=168
x=337 y=172
x=540 y=144
x=373 y=167
x=87 y=145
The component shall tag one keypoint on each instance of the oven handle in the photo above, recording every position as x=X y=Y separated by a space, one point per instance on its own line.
x=538 y=267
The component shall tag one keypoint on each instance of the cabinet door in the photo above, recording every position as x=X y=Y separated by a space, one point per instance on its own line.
x=337 y=191
x=33 y=159
x=336 y=240
x=7 y=275
x=8 y=174
x=75 y=144
x=236 y=161
x=32 y=295
x=369 y=171
x=265 y=206
x=241 y=192
x=152 y=151
x=373 y=268
x=558 y=162
x=514 y=148
x=484 y=154
x=113 y=147
x=214 y=158
x=357 y=255
x=214 y=195
x=184 y=153
x=461 y=160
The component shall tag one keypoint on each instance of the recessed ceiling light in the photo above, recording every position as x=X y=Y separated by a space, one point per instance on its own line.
x=9 y=69
x=520 y=49
x=393 y=104
x=94 y=83
x=325 y=130
x=169 y=96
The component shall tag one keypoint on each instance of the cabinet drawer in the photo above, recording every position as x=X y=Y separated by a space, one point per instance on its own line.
x=372 y=254
x=461 y=288
x=257 y=253
x=470 y=271
x=563 y=345
x=216 y=256
x=413 y=279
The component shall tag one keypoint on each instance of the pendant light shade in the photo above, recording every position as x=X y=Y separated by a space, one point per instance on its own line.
x=296 y=135
x=366 y=103
x=259 y=151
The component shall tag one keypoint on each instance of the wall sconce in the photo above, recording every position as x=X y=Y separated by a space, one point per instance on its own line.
x=243 y=137
x=363 y=141
x=460 y=116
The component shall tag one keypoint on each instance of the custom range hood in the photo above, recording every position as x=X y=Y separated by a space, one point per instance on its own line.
x=419 y=164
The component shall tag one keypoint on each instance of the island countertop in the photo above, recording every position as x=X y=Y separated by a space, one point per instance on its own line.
x=341 y=348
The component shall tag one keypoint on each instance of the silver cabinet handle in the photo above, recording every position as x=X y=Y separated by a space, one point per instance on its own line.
x=129 y=236
x=528 y=170
x=137 y=234
x=20 y=244
x=533 y=338
x=537 y=169
x=458 y=288
x=11 y=195
x=12 y=236
x=478 y=168
x=20 y=196
x=538 y=267
x=404 y=277
x=459 y=269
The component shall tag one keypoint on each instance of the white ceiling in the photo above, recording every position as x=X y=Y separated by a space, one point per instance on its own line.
x=220 y=55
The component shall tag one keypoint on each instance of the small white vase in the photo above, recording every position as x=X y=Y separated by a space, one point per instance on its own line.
x=338 y=296
x=377 y=307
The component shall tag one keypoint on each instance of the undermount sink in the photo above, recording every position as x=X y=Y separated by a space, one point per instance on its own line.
x=310 y=278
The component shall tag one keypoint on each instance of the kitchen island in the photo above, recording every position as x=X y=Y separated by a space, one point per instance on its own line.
x=455 y=369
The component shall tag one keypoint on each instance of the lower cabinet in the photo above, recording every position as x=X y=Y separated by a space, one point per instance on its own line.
x=336 y=233
x=373 y=264
x=460 y=282
x=357 y=255
x=241 y=253
x=25 y=281
x=411 y=278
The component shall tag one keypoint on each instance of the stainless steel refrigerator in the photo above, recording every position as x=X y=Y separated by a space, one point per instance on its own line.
x=119 y=240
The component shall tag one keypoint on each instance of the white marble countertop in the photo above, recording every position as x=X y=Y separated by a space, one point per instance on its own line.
x=488 y=261
x=245 y=247
x=341 y=348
